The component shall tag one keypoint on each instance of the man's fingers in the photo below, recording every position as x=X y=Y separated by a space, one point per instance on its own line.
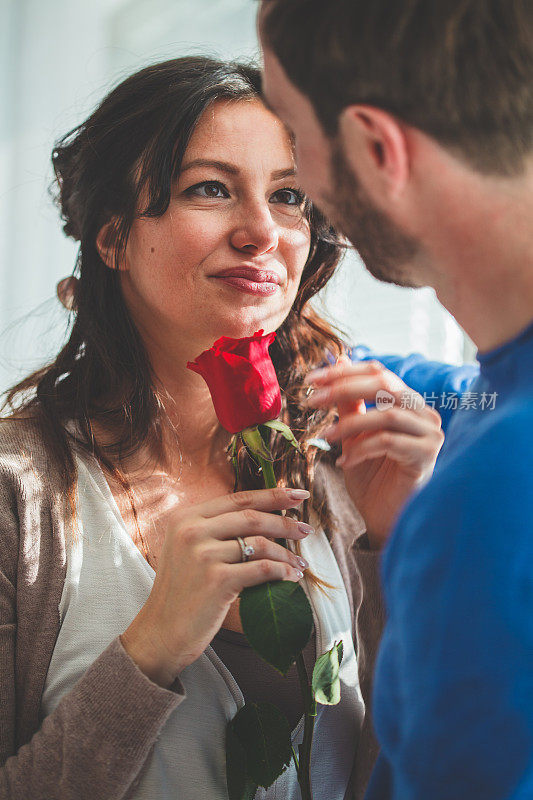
x=398 y=446
x=393 y=419
x=354 y=406
x=343 y=366
x=381 y=389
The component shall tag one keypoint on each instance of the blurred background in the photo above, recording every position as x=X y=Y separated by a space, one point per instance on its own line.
x=57 y=60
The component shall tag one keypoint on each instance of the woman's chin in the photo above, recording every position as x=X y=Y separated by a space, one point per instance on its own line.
x=246 y=324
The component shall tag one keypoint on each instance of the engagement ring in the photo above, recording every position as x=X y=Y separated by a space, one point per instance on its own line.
x=247 y=551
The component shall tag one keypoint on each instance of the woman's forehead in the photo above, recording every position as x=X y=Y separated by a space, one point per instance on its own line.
x=244 y=130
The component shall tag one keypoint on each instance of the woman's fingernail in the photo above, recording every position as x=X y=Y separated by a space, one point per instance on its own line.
x=302 y=562
x=298 y=494
x=318 y=396
x=299 y=574
x=305 y=528
x=344 y=359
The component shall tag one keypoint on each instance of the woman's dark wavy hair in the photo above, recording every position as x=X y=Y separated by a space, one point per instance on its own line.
x=130 y=147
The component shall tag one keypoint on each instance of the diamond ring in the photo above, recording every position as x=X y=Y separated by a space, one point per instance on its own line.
x=247 y=551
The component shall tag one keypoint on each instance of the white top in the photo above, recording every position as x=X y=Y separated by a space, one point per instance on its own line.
x=107 y=583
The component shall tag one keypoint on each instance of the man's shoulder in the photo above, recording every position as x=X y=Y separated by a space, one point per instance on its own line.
x=498 y=448
x=484 y=487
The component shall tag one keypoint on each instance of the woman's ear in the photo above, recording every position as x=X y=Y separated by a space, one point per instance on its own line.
x=106 y=243
x=66 y=290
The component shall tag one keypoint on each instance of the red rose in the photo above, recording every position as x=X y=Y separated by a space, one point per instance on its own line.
x=242 y=380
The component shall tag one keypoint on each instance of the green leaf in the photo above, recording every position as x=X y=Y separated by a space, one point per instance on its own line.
x=278 y=425
x=255 y=444
x=240 y=785
x=266 y=433
x=264 y=735
x=277 y=621
x=326 y=683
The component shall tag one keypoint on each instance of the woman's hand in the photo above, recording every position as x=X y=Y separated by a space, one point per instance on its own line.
x=386 y=452
x=200 y=574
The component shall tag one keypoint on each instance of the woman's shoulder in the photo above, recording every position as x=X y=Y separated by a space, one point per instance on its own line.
x=33 y=504
x=26 y=461
x=329 y=486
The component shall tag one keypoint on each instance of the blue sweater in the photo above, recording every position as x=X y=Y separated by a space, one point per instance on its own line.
x=453 y=694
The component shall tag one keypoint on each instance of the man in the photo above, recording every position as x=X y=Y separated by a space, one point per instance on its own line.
x=413 y=124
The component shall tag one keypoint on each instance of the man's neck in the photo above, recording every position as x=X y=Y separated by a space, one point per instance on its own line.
x=484 y=256
x=491 y=314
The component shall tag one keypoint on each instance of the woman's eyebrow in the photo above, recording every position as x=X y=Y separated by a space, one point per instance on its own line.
x=232 y=169
x=222 y=166
x=278 y=174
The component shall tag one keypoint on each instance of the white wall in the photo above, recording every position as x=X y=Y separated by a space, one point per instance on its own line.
x=54 y=71
x=57 y=59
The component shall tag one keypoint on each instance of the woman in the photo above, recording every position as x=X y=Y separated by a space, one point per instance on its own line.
x=119 y=671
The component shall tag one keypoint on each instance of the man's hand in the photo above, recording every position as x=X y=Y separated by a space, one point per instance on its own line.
x=387 y=452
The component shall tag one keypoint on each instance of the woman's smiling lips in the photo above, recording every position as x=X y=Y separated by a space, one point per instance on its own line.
x=250 y=280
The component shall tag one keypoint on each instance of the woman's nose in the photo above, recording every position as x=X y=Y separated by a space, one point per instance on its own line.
x=256 y=232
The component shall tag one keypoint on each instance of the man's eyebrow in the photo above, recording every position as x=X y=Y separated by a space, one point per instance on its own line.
x=232 y=169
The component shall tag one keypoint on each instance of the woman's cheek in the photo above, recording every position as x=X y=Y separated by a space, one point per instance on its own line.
x=297 y=267
x=190 y=233
x=298 y=244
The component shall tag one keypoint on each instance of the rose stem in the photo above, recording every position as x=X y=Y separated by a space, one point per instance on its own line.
x=303 y=768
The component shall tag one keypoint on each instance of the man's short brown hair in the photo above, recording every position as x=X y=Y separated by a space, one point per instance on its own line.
x=459 y=70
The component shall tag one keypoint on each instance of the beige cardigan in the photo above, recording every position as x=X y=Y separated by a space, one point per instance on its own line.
x=95 y=743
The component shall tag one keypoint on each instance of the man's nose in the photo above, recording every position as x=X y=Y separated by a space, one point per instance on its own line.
x=256 y=232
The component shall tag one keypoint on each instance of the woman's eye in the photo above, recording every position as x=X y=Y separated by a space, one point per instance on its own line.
x=290 y=197
x=208 y=189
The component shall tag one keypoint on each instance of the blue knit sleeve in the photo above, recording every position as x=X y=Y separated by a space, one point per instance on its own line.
x=440 y=384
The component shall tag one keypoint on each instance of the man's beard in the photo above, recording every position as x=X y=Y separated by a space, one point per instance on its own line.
x=385 y=250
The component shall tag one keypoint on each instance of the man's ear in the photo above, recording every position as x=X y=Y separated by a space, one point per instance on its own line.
x=376 y=147
x=106 y=245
